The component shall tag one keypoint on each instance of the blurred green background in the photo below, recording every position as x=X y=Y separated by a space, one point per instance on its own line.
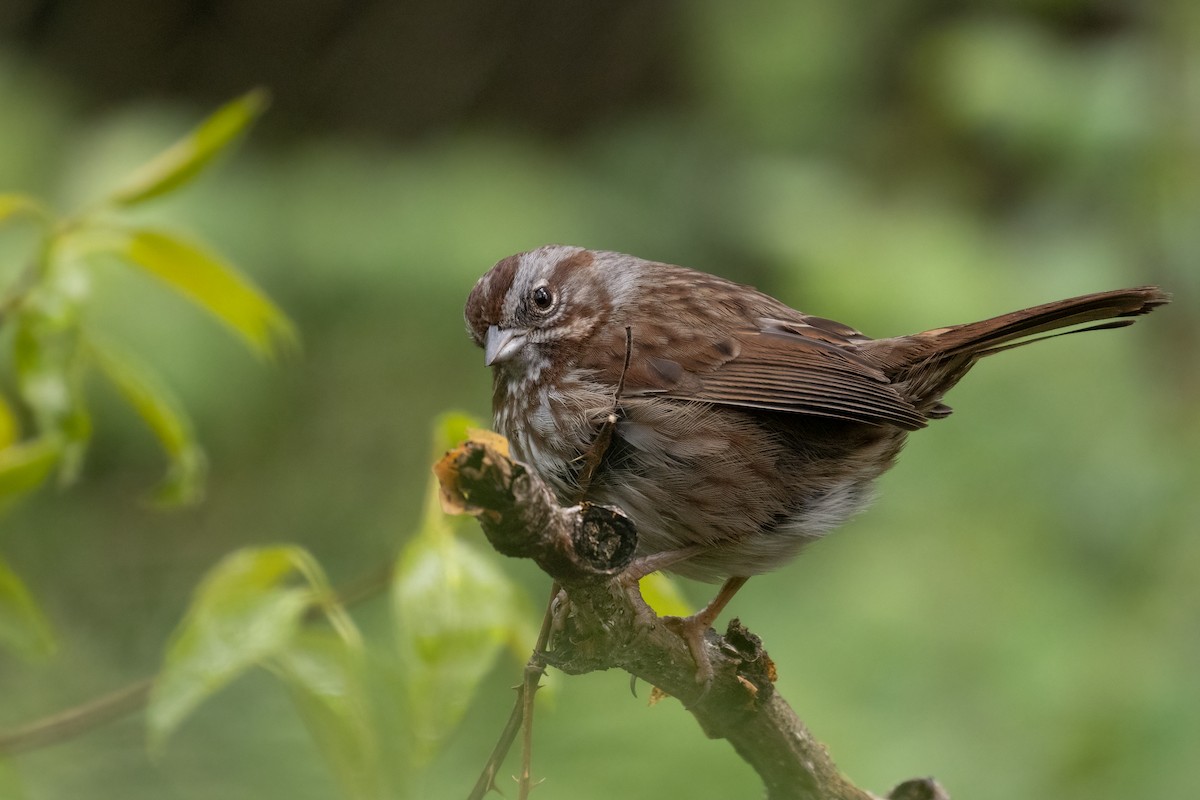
x=1018 y=615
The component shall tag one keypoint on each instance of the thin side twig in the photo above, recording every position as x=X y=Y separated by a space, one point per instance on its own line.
x=535 y=668
x=76 y=721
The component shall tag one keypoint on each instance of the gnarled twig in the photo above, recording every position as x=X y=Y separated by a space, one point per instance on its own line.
x=585 y=548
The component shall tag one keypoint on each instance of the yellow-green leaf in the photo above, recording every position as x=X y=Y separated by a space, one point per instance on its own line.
x=210 y=283
x=10 y=428
x=663 y=595
x=450 y=429
x=25 y=466
x=22 y=626
x=185 y=159
x=45 y=353
x=14 y=204
x=164 y=415
x=454 y=612
x=323 y=673
x=247 y=609
x=49 y=378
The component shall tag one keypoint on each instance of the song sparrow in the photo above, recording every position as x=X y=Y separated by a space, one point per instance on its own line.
x=745 y=429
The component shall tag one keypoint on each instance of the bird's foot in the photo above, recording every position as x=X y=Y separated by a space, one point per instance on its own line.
x=692 y=630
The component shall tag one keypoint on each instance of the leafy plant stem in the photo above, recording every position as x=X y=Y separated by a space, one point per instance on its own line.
x=33 y=273
x=97 y=712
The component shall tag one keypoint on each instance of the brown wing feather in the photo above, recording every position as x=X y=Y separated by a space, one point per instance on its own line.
x=793 y=373
x=752 y=351
x=775 y=368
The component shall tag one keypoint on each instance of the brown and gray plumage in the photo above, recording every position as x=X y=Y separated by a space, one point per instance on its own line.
x=746 y=429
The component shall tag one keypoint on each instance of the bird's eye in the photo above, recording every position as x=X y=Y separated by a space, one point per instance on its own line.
x=542 y=298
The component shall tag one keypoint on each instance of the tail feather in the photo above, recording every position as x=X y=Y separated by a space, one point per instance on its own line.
x=981 y=337
x=928 y=364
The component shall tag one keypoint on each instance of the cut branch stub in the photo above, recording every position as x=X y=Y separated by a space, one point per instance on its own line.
x=521 y=518
x=919 y=789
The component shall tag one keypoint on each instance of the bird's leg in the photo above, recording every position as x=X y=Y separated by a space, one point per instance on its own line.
x=692 y=629
x=641 y=567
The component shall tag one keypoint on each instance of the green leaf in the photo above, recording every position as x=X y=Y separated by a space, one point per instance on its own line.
x=185 y=159
x=450 y=429
x=454 y=611
x=49 y=374
x=22 y=626
x=662 y=594
x=247 y=609
x=323 y=674
x=210 y=283
x=14 y=204
x=24 y=467
x=164 y=415
x=10 y=428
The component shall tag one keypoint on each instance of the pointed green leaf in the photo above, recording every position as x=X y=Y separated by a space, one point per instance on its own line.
x=22 y=626
x=14 y=204
x=323 y=674
x=454 y=612
x=185 y=159
x=24 y=467
x=210 y=283
x=164 y=415
x=246 y=609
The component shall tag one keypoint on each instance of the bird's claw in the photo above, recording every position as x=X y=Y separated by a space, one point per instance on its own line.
x=691 y=630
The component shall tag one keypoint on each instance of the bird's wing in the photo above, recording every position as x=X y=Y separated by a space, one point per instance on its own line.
x=806 y=365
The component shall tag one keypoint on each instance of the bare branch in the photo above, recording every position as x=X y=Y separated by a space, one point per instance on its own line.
x=585 y=548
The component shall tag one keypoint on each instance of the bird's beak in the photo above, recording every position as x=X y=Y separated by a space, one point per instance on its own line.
x=502 y=344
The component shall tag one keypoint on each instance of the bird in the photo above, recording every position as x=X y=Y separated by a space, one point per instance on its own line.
x=741 y=429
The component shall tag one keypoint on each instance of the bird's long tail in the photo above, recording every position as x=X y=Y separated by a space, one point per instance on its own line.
x=931 y=362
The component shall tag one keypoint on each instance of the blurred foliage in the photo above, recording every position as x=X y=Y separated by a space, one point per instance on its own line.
x=248 y=611
x=455 y=609
x=1017 y=615
x=52 y=348
x=23 y=628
